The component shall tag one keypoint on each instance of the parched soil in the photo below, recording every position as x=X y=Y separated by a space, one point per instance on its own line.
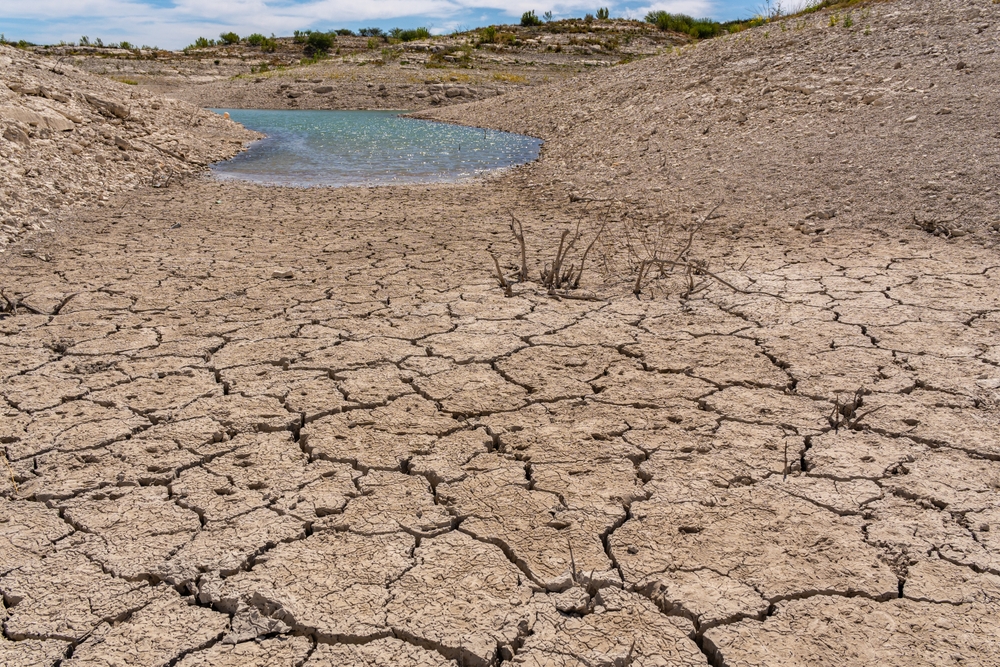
x=266 y=426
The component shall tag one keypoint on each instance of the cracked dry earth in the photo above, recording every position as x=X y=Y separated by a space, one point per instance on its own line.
x=380 y=460
x=279 y=427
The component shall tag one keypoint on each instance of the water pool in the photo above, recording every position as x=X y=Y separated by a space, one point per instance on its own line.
x=343 y=148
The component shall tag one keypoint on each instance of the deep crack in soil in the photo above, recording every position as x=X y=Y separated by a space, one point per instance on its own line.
x=270 y=426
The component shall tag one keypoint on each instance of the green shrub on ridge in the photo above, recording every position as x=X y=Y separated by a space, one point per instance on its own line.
x=696 y=28
x=530 y=19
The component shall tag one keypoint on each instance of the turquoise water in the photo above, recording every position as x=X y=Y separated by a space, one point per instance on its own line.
x=341 y=148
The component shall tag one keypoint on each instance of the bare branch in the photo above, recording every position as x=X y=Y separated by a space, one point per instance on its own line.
x=519 y=235
x=500 y=277
x=583 y=260
x=694 y=230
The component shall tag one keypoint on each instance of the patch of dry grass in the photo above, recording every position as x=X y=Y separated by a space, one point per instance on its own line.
x=509 y=78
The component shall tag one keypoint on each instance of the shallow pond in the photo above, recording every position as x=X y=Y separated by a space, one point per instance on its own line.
x=341 y=148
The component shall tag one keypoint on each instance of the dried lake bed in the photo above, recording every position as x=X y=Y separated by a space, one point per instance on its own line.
x=247 y=425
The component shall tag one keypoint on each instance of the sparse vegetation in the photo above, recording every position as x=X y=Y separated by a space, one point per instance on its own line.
x=509 y=78
x=319 y=43
x=695 y=28
x=491 y=35
x=603 y=14
x=229 y=38
x=200 y=43
x=488 y=34
x=266 y=44
x=529 y=19
x=554 y=275
x=410 y=35
x=371 y=32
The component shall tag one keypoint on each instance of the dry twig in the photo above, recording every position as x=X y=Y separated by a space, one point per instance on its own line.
x=846 y=415
x=572 y=562
x=507 y=291
x=519 y=235
x=10 y=471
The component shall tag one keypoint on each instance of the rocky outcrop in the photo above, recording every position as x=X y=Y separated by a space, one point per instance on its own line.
x=71 y=139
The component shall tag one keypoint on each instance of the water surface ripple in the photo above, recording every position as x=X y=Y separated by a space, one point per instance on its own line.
x=343 y=148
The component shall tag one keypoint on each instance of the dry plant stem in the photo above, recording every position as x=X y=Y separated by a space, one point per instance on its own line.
x=500 y=277
x=637 y=290
x=583 y=260
x=691 y=268
x=165 y=151
x=10 y=471
x=565 y=294
x=572 y=562
x=690 y=239
x=519 y=235
x=550 y=271
x=552 y=280
x=857 y=419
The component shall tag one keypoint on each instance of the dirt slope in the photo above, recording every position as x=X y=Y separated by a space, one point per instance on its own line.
x=70 y=139
x=884 y=114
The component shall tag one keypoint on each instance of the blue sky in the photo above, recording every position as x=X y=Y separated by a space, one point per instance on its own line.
x=173 y=24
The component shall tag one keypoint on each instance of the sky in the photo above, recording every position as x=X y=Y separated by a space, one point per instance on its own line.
x=173 y=24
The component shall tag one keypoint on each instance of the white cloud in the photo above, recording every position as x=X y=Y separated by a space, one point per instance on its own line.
x=696 y=8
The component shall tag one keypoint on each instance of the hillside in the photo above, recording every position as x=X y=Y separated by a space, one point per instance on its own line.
x=888 y=112
x=71 y=139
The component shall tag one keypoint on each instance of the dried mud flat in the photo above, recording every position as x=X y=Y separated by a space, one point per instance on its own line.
x=263 y=426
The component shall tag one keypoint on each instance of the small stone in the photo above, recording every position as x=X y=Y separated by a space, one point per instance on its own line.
x=911 y=119
x=282 y=274
x=17 y=135
x=572 y=601
x=943 y=111
x=113 y=108
x=323 y=90
x=960 y=65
